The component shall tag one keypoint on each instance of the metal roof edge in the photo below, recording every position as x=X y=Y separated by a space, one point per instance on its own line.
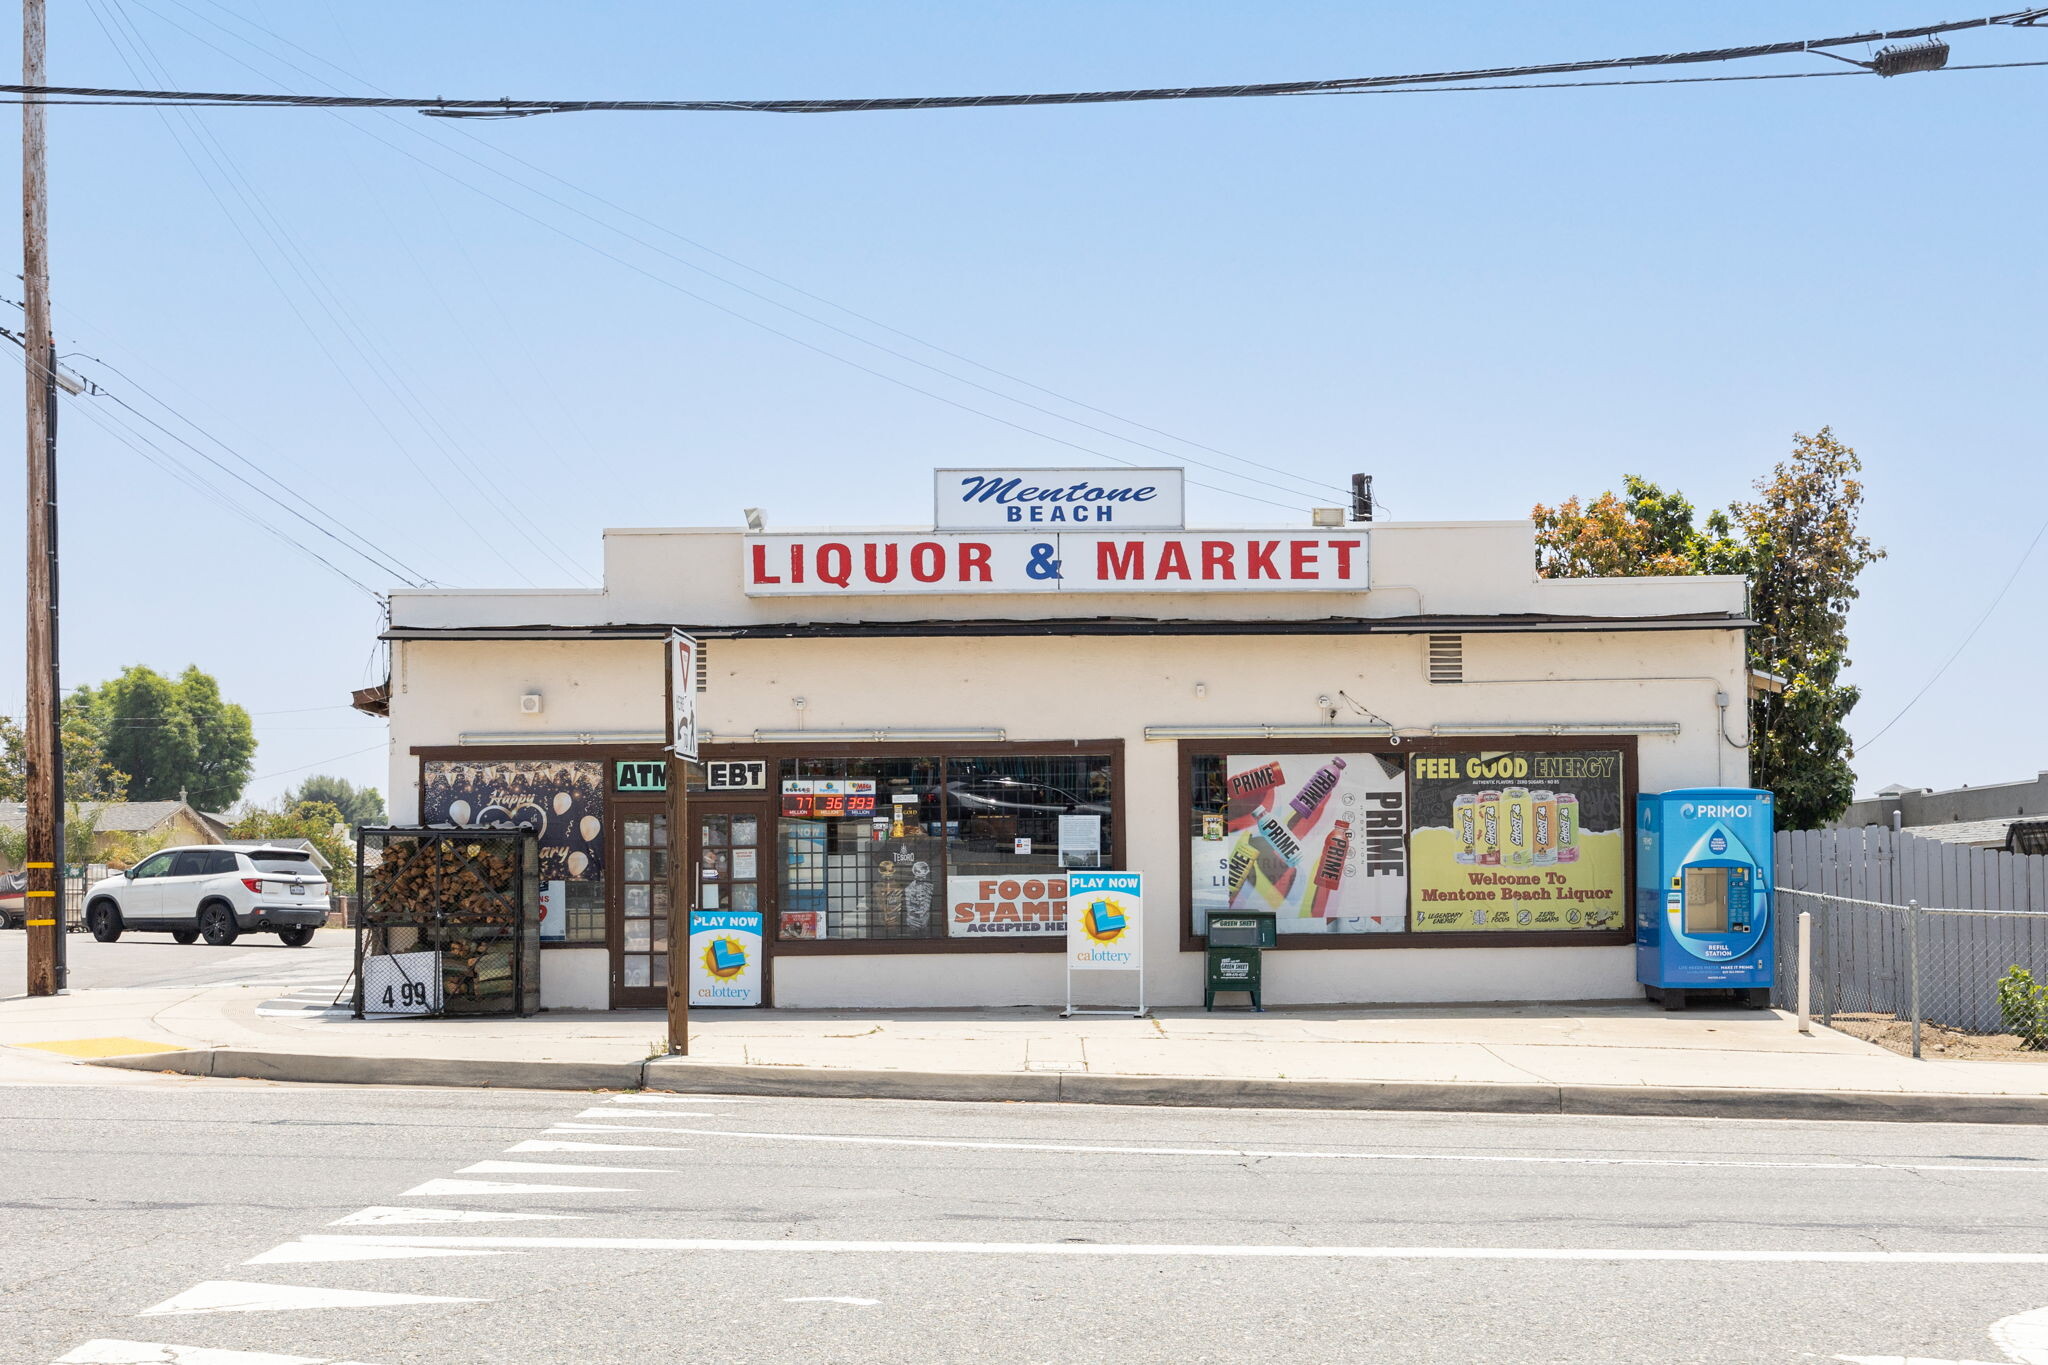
x=1329 y=625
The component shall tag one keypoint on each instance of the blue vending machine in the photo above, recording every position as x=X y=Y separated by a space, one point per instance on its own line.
x=1703 y=895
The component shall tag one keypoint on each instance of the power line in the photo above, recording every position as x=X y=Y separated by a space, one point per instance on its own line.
x=1266 y=472
x=287 y=772
x=506 y=107
x=1956 y=653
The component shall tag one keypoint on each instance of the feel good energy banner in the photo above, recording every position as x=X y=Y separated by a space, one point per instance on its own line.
x=1518 y=840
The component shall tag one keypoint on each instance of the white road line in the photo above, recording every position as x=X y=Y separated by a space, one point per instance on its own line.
x=108 y=1351
x=554 y=1168
x=437 y=1189
x=292 y=1252
x=1363 y=1253
x=536 y=1145
x=237 y=1296
x=836 y=1298
x=379 y=1215
x=679 y=1099
x=1240 y=1153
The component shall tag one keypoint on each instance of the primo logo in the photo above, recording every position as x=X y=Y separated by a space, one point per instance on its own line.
x=1710 y=811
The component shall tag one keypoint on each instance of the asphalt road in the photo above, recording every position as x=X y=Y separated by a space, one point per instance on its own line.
x=190 y=1214
x=139 y=960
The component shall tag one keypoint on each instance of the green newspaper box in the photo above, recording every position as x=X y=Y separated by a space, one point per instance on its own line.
x=1237 y=941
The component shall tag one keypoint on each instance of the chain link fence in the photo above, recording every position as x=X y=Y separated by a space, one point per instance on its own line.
x=1879 y=962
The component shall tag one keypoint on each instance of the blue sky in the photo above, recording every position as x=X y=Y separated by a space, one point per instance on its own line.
x=1484 y=299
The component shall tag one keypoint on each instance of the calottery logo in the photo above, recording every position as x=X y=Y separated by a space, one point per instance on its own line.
x=1105 y=920
x=725 y=958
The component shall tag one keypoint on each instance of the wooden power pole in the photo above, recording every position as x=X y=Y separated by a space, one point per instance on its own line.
x=45 y=755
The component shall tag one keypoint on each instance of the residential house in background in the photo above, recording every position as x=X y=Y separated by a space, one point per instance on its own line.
x=138 y=823
x=1996 y=815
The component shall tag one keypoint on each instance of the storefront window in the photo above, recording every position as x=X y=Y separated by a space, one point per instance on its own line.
x=883 y=848
x=1468 y=841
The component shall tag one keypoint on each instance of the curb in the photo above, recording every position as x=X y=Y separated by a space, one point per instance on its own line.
x=1207 y=1092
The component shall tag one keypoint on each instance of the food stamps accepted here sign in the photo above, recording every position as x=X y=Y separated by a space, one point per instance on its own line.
x=1105 y=919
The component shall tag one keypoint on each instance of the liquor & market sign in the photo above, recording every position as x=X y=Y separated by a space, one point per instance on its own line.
x=1058 y=561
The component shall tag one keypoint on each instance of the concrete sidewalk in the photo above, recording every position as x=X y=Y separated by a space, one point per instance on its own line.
x=1598 y=1058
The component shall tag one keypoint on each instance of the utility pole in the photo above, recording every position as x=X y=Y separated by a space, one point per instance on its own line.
x=45 y=908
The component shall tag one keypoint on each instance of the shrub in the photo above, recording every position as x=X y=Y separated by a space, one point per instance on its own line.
x=2024 y=1004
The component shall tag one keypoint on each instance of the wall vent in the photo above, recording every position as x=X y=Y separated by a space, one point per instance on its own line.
x=1447 y=658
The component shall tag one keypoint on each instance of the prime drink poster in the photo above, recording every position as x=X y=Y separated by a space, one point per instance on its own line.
x=1518 y=840
x=1318 y=839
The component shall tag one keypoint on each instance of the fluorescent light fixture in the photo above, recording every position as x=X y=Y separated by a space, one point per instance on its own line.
x=885 y=735
x=1573 y=727
x=1268 y=731
x=565 y=737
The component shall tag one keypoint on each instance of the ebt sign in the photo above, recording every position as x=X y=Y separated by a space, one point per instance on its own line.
x=984 y=499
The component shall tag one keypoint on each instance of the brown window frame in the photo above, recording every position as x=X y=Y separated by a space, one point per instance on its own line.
x=771 y=837
x=1408 y=937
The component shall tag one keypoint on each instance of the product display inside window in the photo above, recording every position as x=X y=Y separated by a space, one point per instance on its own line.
x=889 y=848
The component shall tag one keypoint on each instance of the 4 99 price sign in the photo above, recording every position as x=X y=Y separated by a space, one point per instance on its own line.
x=402 y=983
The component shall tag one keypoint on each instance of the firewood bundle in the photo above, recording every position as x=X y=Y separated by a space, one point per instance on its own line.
x=449 y=880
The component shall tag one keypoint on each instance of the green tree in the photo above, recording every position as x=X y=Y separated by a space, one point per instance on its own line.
x=88 y=776
x=1805 y=557
x=358 y=805
x=1798 y=545
x=316 y=821
x=173 y=737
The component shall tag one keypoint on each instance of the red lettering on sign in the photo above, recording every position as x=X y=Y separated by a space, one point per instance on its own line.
x=1344 y=549
x=963 y=913
x=835 y=564
x=1258 y=554
x=1037 y=910
x=986 y=891
x=1301 y=559
x=1216 y=557
x=885 y=571
x=1173 y=559
x=1009 y=891
x=1111 y=564
x=761 y=574
x=796 y=563
x=927 y=561
x=974 y=562
x=1034 y=890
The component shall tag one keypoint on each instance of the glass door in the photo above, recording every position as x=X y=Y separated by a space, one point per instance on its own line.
x=727 y=956
x=641 y=909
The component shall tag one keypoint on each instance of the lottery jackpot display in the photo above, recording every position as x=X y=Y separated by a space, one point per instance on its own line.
x=1319 y=839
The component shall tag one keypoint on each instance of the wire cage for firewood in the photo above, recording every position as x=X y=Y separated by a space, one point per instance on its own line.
x=469 y=896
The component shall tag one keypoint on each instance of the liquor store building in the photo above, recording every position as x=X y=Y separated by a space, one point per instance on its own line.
x=1419 y=755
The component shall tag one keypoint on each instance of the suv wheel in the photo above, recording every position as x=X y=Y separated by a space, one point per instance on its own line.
x=185 y=935
x=104 y=921
x=298 y=936
x=217 y=923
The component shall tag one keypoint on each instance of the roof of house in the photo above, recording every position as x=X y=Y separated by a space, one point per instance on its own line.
x=113 y=817
x=1976 y=833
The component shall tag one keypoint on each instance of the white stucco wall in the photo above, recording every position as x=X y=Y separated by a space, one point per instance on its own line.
x=1102 y=688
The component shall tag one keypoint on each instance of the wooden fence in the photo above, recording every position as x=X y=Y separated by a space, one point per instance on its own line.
x=1983 y=911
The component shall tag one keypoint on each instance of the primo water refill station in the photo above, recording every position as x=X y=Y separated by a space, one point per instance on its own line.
x=1703 y=895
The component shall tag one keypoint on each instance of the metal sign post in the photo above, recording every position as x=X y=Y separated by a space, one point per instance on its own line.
x=1105 y=931
x=681 y=667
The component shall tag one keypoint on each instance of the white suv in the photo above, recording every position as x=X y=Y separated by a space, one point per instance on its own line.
x=219 y=892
